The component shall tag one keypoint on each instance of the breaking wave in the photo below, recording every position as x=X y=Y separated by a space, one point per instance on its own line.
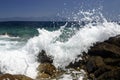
x=64 y=44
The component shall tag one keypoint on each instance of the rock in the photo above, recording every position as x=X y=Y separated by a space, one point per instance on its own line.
x=111 y=75
x=100 y=71
x=114 y=40
x=44 y=58
x=47 y=69
x=43 y=76
x=103 y=60
x=112 y=62
x=94 y=63
x=75 y=65
x=105 y=50
x=14 y=77
x=78 y=63
x=7 y=77
x=22 y=77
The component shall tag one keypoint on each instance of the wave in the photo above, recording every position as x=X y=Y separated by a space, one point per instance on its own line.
x=64 y=45
x=6 y=35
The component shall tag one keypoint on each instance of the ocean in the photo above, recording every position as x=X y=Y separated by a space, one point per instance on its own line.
x=21 y=41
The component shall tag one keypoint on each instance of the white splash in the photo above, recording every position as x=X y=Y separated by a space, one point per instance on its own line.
x=23 y=60
x=66 y=52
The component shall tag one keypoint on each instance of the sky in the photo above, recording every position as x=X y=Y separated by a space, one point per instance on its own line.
x=41 y=8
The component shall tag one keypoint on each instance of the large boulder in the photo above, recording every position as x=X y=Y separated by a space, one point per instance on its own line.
x=114 y=40
x=105 y=50
x=94 y=63
x=103 y=62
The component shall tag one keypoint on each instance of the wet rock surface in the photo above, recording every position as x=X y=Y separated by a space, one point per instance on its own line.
x=103 y=62
x=46 y=70
x=44 y=58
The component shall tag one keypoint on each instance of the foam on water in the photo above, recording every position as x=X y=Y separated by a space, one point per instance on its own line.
x=23 y=60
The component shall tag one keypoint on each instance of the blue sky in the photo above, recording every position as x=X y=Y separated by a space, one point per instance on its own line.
x=40 y=8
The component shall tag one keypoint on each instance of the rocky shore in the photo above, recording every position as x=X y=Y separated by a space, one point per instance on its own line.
x=102 y=62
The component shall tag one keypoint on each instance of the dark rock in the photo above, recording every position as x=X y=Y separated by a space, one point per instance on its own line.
x=90 y=66
x=76 y=64
x=111 y=75
x=44 y=58
x=103 y=60
x=112 y=62
x=94 y=63
x=105 y=50
x=100 y=71
x=114 y=40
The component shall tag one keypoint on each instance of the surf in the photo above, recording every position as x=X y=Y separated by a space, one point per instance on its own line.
x=64 y=44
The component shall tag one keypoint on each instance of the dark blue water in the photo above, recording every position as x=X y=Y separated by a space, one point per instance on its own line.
x=27 y=28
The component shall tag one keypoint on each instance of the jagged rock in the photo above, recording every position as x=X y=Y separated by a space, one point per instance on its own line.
x=75 y=65
x=111 y=75
x=103 y=62
x=14 y=77
x=46 y=69
x=105 y=50
x=112 y=62
x=7 y=77
x=22 y=77
x=44 y=58
x=114 y=40
x=43 y=76
x=94 y=63
x=100 y=71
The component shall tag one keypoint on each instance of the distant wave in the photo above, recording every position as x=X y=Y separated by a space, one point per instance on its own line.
x=6 y=35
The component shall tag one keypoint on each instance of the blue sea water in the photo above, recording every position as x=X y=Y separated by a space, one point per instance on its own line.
x=27 y=28
x=21 y=41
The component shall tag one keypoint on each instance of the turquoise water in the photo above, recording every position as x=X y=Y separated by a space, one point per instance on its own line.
x=27 y=29
x=21 y=42
x=15 y=34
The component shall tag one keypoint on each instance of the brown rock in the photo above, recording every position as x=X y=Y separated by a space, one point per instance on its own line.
x=111 y=75
x=43 y=76
x=22 y=77
x=14 y=77
x=112 y=62
x=46 y=70
x=7 y=76
x=94 y=63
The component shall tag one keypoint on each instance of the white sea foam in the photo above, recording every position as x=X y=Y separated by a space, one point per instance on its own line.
x=23 y=60
x=73 y=75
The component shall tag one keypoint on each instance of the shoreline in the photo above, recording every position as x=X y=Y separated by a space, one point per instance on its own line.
x=102 y=62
